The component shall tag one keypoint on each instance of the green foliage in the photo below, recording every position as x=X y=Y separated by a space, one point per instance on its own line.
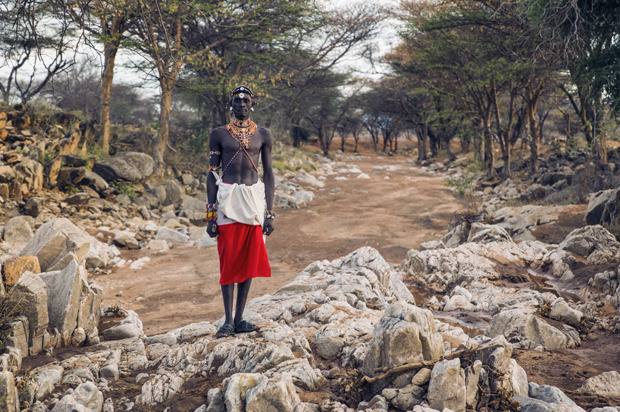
x=72 y=189
x=461 y=184
x=125 y=188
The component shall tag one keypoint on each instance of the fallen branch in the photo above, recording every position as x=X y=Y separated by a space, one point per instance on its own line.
x=423 y=364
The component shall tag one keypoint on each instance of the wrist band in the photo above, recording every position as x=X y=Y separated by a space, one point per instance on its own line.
x=211 y=214
x=270 y=214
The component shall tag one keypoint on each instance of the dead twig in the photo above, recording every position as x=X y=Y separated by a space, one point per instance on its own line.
x=423 y=364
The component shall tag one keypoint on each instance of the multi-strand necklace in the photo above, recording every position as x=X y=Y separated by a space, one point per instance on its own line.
x=242 y=132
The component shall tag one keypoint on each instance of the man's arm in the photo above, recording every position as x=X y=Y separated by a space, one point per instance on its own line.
x=215 y=158
x=268 y=179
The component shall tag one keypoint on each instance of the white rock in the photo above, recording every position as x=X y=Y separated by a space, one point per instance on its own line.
x=447 y=386
x=606 y=384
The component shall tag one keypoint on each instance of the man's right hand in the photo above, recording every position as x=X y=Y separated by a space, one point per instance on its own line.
x=212 y=229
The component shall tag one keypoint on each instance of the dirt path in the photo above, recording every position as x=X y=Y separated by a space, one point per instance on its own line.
x=393 y=211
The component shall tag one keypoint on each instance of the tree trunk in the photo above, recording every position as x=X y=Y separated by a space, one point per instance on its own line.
x=488 y=146
x=422 y=136
x=164 y=125
x=532 y=102
x=107 y=78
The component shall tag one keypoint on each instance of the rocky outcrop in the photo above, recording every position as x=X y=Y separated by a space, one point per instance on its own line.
x=127 y=167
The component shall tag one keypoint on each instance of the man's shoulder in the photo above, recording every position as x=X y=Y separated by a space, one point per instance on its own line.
x=218 y=130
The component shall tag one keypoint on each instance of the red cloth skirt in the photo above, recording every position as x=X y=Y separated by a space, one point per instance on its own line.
x=242 y=253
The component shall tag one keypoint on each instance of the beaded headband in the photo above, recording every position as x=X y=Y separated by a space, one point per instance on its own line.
x=242 y=91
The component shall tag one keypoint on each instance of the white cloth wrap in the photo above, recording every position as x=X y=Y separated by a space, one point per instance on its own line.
x=241 y=203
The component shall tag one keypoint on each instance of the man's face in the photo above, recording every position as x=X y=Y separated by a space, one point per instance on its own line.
x=241 y=106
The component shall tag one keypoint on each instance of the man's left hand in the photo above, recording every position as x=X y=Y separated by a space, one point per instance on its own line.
x=268 y=227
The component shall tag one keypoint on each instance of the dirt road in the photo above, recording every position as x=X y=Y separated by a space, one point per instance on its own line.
x=392 y=211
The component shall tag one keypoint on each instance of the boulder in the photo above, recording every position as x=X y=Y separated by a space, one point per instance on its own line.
x=404 y=334
x=594 y=243
x=16 y=266
x=275 y=394
x=54 y=240
x=172 y=237
x=606 y=384
x=530 y=327
x=9 y=398
x=447 y=386
x=602 y=207
x=114 y=169
x=64 y=289
x=86 y=397
x=17 y=232
x=70 y=176
x=32 y=293
x=174 y=193
x=34 y=206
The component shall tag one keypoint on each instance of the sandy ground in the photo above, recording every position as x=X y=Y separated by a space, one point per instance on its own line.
x=393 y=211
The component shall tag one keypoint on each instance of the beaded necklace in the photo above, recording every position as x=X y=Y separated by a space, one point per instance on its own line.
x=242 y=132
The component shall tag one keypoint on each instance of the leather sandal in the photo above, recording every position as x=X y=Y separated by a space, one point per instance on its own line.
x=225 y=331
x=245 y=327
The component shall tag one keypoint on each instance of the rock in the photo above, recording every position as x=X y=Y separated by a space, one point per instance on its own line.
x=447 y=386
x=236 y=387
x=34 y=207
x=458 y=302
x=70 y=176
x=407 y=397
x=549 y=394
x=276 y=394
x=482 y=233
x=172 y=237
x=519 y=221
x=472 y=377
x=602 y=207
x=404 y=334
x=518 y=379
x=44 y=380
x=215 y=401
x=564 y=313
x=594 y=243
x=606 y=384
x=422 y=377
x=128 y=167
x=17 y=232
x=32 y=292
x=377 y=403
x=14 y=267
x=110 y=372
x=54 y=240
x=9 y=398
x=158 y=245
x=78 y=337
x=307 y=178
x=327 y=347
x=86 y=397
x=534 y=405
x=530 y=327
x=64 y=289
x=174 y=193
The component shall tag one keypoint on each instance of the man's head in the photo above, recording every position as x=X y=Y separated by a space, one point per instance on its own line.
x=241 y=102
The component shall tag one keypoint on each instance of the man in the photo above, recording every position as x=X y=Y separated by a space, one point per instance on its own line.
x=236 y=211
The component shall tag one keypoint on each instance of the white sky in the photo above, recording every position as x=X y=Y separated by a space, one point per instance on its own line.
x=386 y=39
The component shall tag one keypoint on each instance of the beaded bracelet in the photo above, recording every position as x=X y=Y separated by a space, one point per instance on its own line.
x=270 y=214
x=211 y=214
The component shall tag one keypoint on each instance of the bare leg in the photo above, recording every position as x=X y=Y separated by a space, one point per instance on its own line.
x=227 y=295
x=242 y=295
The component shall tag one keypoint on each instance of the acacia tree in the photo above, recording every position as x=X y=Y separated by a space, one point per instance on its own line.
x=585 y=35
x=160 y=32
x=107 y=22
x=35 y=46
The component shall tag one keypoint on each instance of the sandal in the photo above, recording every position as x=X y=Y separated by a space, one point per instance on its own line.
x=225 y=331
x=244 y=327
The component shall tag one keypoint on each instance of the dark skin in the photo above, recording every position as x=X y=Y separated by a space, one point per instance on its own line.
x=240 y=171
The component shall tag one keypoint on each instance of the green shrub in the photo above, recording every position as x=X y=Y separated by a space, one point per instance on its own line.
x=125 y=188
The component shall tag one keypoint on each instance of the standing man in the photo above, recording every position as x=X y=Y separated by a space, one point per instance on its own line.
x=240 y=209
